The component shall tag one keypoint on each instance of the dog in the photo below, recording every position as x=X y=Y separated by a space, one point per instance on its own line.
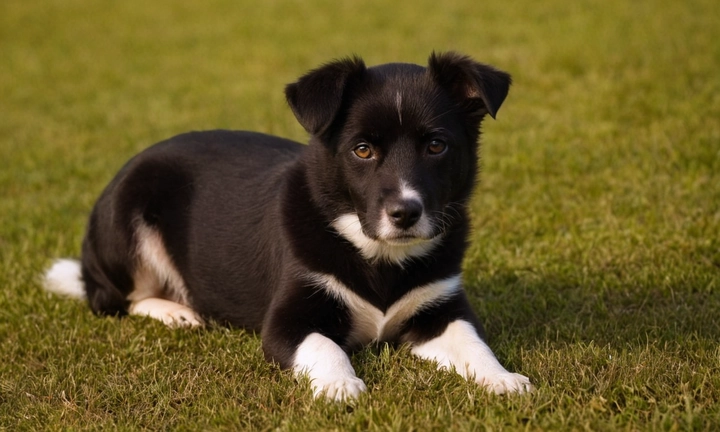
x=357 y=237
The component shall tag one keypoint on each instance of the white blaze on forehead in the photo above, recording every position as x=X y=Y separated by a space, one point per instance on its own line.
x=408 y=193
x=398 y=104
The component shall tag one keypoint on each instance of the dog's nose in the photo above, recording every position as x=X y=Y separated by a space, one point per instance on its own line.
x=404 y=213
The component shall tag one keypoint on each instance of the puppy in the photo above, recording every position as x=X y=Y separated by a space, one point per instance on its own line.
x=355 y=238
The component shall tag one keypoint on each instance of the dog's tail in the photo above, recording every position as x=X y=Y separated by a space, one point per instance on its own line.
x=64 y=278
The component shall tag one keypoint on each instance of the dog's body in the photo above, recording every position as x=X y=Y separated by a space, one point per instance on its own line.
x=357 y=237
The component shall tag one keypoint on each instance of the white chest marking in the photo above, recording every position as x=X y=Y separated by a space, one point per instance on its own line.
x=369 y=322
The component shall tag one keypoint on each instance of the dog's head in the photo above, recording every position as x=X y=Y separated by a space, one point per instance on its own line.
x=393 y=150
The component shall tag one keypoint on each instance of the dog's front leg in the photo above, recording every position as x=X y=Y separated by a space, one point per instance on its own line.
x=459 y=347
x=302 y=332
x=328 y=367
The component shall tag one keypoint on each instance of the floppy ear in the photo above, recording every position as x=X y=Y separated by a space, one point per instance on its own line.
x=317 y=96
x=479 y=87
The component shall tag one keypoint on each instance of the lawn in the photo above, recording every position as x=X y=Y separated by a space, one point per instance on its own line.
x=595 y=255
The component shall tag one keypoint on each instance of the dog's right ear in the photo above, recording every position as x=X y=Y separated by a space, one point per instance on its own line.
x=316 y=97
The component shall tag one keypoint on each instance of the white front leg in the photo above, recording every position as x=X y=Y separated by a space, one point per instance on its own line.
x=328 y=367
x=460 y=348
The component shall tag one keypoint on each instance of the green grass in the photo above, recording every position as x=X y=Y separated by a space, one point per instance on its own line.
x=595 y=258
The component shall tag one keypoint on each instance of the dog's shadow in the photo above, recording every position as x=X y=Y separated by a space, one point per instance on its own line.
x=529 y=310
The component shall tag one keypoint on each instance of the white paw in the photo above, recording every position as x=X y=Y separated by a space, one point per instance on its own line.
x=339 y=389
x=460 y=348
x=170 y=313
x=184 y=317
x=328 y=368
x=506 y=382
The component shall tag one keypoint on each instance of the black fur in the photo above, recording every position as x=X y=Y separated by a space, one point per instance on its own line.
x=245 y=217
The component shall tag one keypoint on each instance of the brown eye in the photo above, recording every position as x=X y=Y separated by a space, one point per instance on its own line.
x=436 y=147
x=363 y=151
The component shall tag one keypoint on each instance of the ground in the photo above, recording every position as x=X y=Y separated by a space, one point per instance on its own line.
x=595 y=256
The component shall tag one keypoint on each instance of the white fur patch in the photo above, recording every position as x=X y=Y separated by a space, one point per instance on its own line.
x=408 y=193
x=170 y=313
x=159 y=291
x=156 y=275
x=349 y=226
x=65 y=278
x=460 y=348
x=328 y=368
x=422 y=228
x=370 y=323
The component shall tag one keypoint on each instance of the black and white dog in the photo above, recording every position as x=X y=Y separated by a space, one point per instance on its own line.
x=357 y=237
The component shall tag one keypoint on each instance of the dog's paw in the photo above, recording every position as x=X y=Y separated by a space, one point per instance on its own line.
x=328 y=368
x=339 y=389
x=506 y=382
x=170 y=313
x=179 y=318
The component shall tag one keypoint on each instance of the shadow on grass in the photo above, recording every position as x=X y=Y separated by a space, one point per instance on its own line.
x=541 y=309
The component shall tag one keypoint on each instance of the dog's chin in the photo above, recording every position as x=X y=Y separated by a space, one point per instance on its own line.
x=406 y=240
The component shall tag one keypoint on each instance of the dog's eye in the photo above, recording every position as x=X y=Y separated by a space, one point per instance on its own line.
x=436 y=147
x=363 y=151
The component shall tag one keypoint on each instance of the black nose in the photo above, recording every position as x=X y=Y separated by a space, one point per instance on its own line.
x=404 y=213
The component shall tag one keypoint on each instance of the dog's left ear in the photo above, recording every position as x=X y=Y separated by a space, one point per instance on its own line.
x=316 y=97
x=478 y=87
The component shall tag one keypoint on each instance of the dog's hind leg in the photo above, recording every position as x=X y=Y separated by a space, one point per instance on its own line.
x=105 y=267
x=159 y=290
x=171 y=313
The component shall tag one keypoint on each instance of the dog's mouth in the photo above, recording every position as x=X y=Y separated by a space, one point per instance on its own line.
x=415 y=235
x=406 y=240
x=403 y=241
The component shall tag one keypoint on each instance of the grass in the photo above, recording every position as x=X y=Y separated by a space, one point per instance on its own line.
x=595 y=258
